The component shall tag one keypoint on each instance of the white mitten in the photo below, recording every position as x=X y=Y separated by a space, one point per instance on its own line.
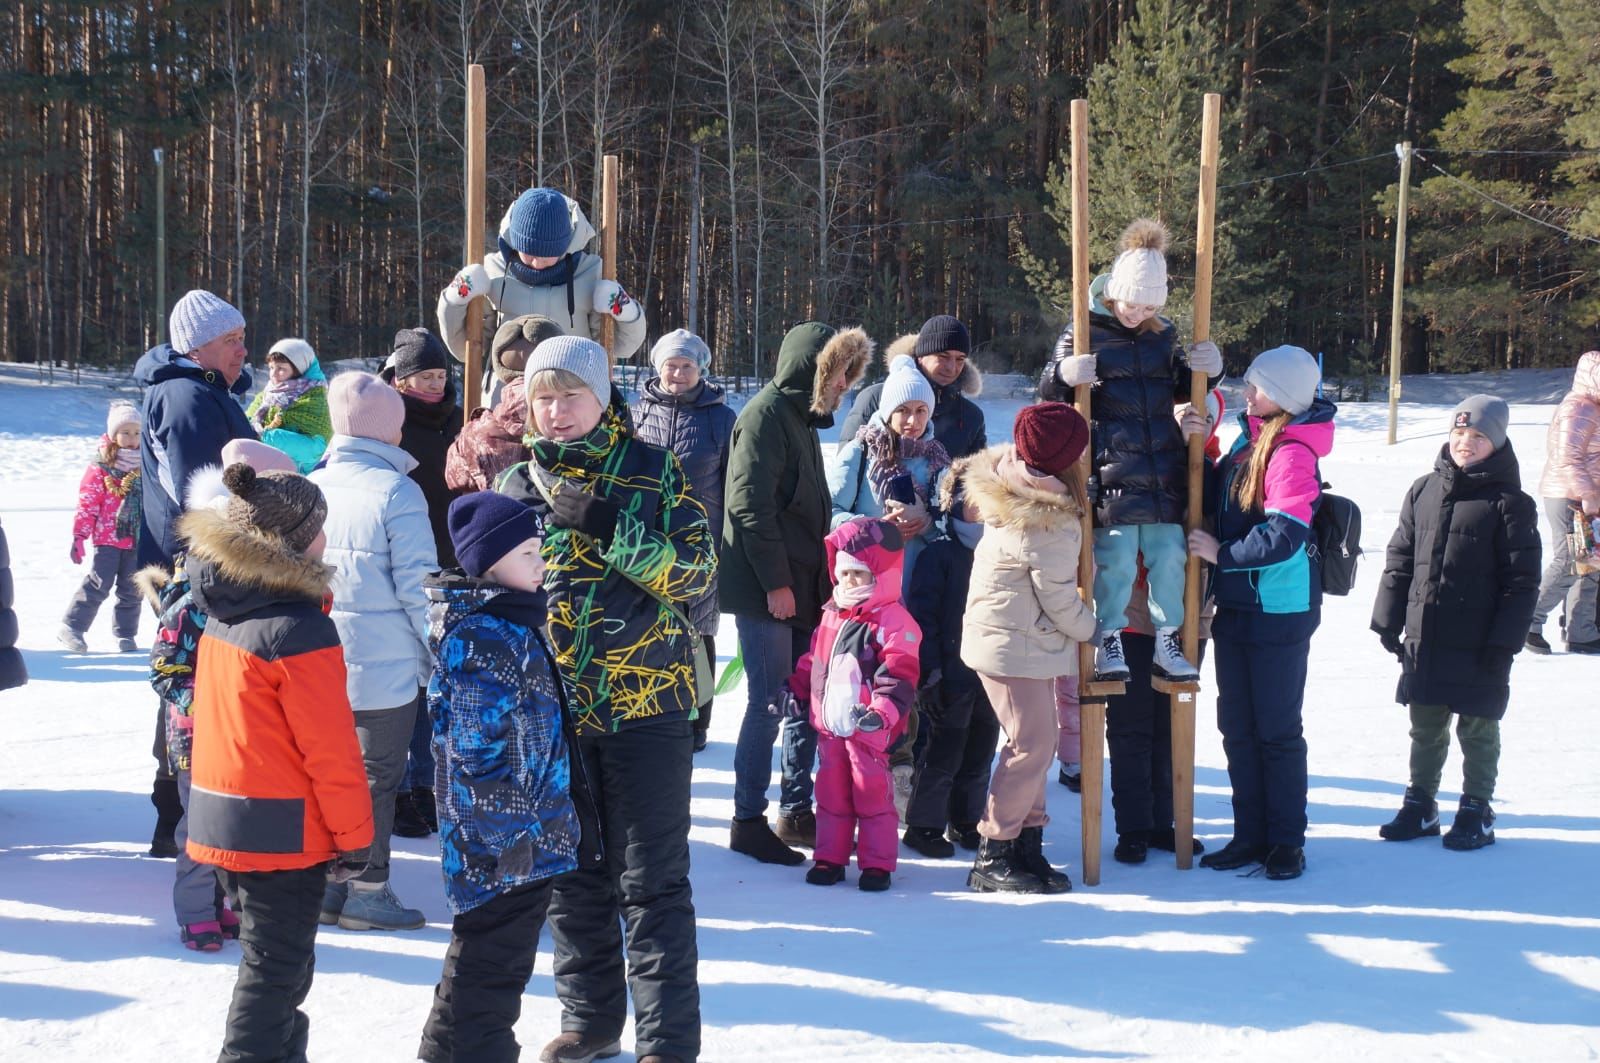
x=612 y=298
x=1076 y=370
x=1203 y=357
x=467 y=285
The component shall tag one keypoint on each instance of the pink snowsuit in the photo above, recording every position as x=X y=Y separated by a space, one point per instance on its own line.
x=867 y=654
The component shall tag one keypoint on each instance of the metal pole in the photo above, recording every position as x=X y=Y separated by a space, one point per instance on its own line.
x=161 y=247
x=1404 y=152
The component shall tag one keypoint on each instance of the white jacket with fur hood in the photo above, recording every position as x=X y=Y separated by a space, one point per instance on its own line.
x=1024 y=617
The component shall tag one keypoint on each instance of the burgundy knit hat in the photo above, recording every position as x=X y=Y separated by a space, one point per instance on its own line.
x=1050 y=436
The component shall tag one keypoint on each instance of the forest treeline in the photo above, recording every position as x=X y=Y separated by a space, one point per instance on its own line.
x=851 y=160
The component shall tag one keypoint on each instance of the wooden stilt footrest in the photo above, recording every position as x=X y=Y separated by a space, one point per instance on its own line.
x=1174 y=686
x=1100 y=689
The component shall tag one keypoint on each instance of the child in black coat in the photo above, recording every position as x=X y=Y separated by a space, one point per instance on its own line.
x=1459 y=585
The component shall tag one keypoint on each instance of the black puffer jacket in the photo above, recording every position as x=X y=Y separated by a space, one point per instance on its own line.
x=1461 y=579
x=1140 y=465
x=429 y=429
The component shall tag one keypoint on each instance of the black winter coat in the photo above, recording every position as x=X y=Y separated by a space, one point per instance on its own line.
x=1139 y=472
x=698 y=428
x=1461 y=578
x=13 y=672
x=428 y=431
x=937 y=600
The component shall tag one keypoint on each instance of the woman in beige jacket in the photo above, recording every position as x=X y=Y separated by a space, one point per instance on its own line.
x=1024 y=620
x=1571 y=481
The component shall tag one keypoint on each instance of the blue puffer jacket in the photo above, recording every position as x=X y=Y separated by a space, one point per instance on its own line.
x=697 y=427
x=189 y=416
x=513 y=804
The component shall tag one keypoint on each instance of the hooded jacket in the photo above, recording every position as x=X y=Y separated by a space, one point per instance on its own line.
x=278 y=779
x=491 y=442
x=957 y=420
x=103 y=493
x=13 y=672
x=1461 y=578
x=302 y=427
x=698 y=428
x=851 y=492
x=381 y=548
x=570 y=305
x=777 y=501
x=1024 y=616
x=864 y=654
x=1572 y=446
x=189 y=416
x=510 y=790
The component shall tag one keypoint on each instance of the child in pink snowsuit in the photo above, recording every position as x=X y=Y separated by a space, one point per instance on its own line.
x=858 y=680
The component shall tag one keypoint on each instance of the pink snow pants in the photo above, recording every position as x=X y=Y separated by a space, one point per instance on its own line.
x=1068 y=716
x=853 y=786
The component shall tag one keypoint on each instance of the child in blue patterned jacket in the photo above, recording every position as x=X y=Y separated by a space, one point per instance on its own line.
x=514 y=811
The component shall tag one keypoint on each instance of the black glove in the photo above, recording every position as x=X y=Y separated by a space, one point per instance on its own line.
x=867 y=719
x=572 y=507
x=1391 y=642
x=348 y=864
x=930 y=702
x=786 y=706
x=517 y=861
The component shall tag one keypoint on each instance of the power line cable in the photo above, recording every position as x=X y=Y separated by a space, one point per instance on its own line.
x=1481 y=194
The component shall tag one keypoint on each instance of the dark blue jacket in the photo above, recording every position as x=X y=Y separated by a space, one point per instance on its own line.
x=189 y=416
x=513 y=805
x=937 y=600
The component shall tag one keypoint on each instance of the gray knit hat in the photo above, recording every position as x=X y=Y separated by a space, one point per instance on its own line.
x=1287 y=375
x=515 y=340
x=681 y=343
x=1486 y=414
x=581 y=357
x=280 y=503
x=200 y=317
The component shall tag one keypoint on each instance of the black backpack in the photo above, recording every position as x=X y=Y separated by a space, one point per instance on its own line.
x=1335 y=537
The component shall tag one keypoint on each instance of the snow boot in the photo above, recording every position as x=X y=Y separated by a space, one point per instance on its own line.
x=228 y=920
x=1030 y=848
x=929 y=841
x=427 y=806
x=1591 y=647
x=378 y=909
x=1474 y=826
x=202 y=937
x=965 y=835
x=1132 y=847
x=904 y=778
x=1418 y=818
x=1110 y=663
x=1234 y=855
x=700 y=740
x=408 y=821
x=127 y=646
x=575 y=1047
x=1167 y=841
x=1071 y=776
x=799 y=829
x=1535 y=642
x=169 y=809
x=753 y=837
x=1285 y=862
x=72 y=640
x=873 y=880
x=1169 y=660
x=334 y=895
x=999 y=869
x=823 y=873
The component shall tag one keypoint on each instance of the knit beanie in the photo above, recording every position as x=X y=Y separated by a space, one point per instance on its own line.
x=359 y=404
x=485 y=526
x=843 y=562
x=681 y=343
x=1486 y=414
x=1139 y=274
x=280 y=503
x=1050 y=436
x=297 y=353
x=905 y=383
x=540 y=223
x=415 y=350
x=122 y=412
x=200 y=317
x=943 y=333
x=259 y=456
x=584 y=358
x=513 y=341
x=1288 y=376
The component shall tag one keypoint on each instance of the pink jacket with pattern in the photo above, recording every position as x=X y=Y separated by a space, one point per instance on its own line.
x=1572 y=449
x=100 y=495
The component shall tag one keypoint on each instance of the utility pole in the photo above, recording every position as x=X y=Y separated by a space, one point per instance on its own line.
x=1403 y=150
x=161 y=248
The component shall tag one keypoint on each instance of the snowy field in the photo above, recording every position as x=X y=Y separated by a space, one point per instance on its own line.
x=1382 y=951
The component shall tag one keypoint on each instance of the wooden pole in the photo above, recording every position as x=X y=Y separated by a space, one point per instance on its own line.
x=608 y=247
x=1091 y=694
x=1395 y=314
x=161 y=246
x=472 y=241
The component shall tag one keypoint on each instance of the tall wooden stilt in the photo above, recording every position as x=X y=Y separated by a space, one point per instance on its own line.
x=477 y=197
x=608 y=246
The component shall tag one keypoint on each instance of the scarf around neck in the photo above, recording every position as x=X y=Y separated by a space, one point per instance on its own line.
x=523 y=273
x=275 y=398
x=886 y=453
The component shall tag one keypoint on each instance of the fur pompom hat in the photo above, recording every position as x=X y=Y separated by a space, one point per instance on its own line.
x=1139 y=275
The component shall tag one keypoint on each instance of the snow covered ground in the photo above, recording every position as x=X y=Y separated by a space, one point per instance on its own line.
x=1381 y=951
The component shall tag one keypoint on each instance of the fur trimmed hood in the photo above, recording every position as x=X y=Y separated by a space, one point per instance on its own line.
x=252 y=561
x=849 y=348
x=1005 y=503
x=969 y=383
x=151 y=581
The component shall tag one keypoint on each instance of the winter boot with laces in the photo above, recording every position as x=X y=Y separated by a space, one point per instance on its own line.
x=904 y=778
x=378 y=909
x=1132 y=847
x=334 y=894
x=1169 y=660
x=1418 y=818
x=72 y=640
x=1110 y=663
x=1030 y=847
x=1285 y=862
x=127 y=645
x=998 y=869
x=1474 y=825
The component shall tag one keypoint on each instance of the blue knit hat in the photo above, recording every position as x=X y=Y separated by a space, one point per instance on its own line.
x=905 y=383
x=583 y=358
x=540 y=224
x=484 y=527
x=200 y=317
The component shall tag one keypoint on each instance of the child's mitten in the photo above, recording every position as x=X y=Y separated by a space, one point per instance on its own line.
x=611 y=298
x=467 y=285
x=867 y=719
x=77 y=551
x=1204 y=357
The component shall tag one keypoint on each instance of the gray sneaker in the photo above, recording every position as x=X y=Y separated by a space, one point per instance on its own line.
x=379 y=909
x=72 y=640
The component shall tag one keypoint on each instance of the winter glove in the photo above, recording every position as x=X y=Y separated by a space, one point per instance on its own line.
x=867 y=719
x=930 y=701
x=348 y=864
x=786 y=706
x=77 y=551
x=611 y=298
x=1076 y=370
x=1203 y=357
x=467 y=285
x=517 y=861
x=1391 y=642
x=572 y=507
x=1193 y=423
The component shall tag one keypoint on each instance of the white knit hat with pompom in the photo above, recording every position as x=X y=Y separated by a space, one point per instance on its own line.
x=1139 y=275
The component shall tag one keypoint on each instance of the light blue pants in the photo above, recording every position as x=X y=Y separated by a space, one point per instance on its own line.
x=1116 y=558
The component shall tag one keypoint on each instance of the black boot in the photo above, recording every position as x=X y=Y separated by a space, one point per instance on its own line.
x=1132 y=847
x=1234 y=855
x=164 y=839
x=1030 y=849
x=753 y=837
x=423 y=796
x=929 y=841
x=1474 y=825
x=998 y=869
x=1285 y=861
x=408 y=821
x=965 y=835
x=1418 y=818
x=1167 y=841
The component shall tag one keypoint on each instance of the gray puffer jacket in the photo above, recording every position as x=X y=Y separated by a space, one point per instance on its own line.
x=697 y=427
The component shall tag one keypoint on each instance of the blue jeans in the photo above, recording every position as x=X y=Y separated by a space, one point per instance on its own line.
x=771 y=649
x=1116 y=557
x=419 y=766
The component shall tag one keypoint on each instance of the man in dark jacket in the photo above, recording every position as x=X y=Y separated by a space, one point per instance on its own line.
x=942 y=350
x=774 y=575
